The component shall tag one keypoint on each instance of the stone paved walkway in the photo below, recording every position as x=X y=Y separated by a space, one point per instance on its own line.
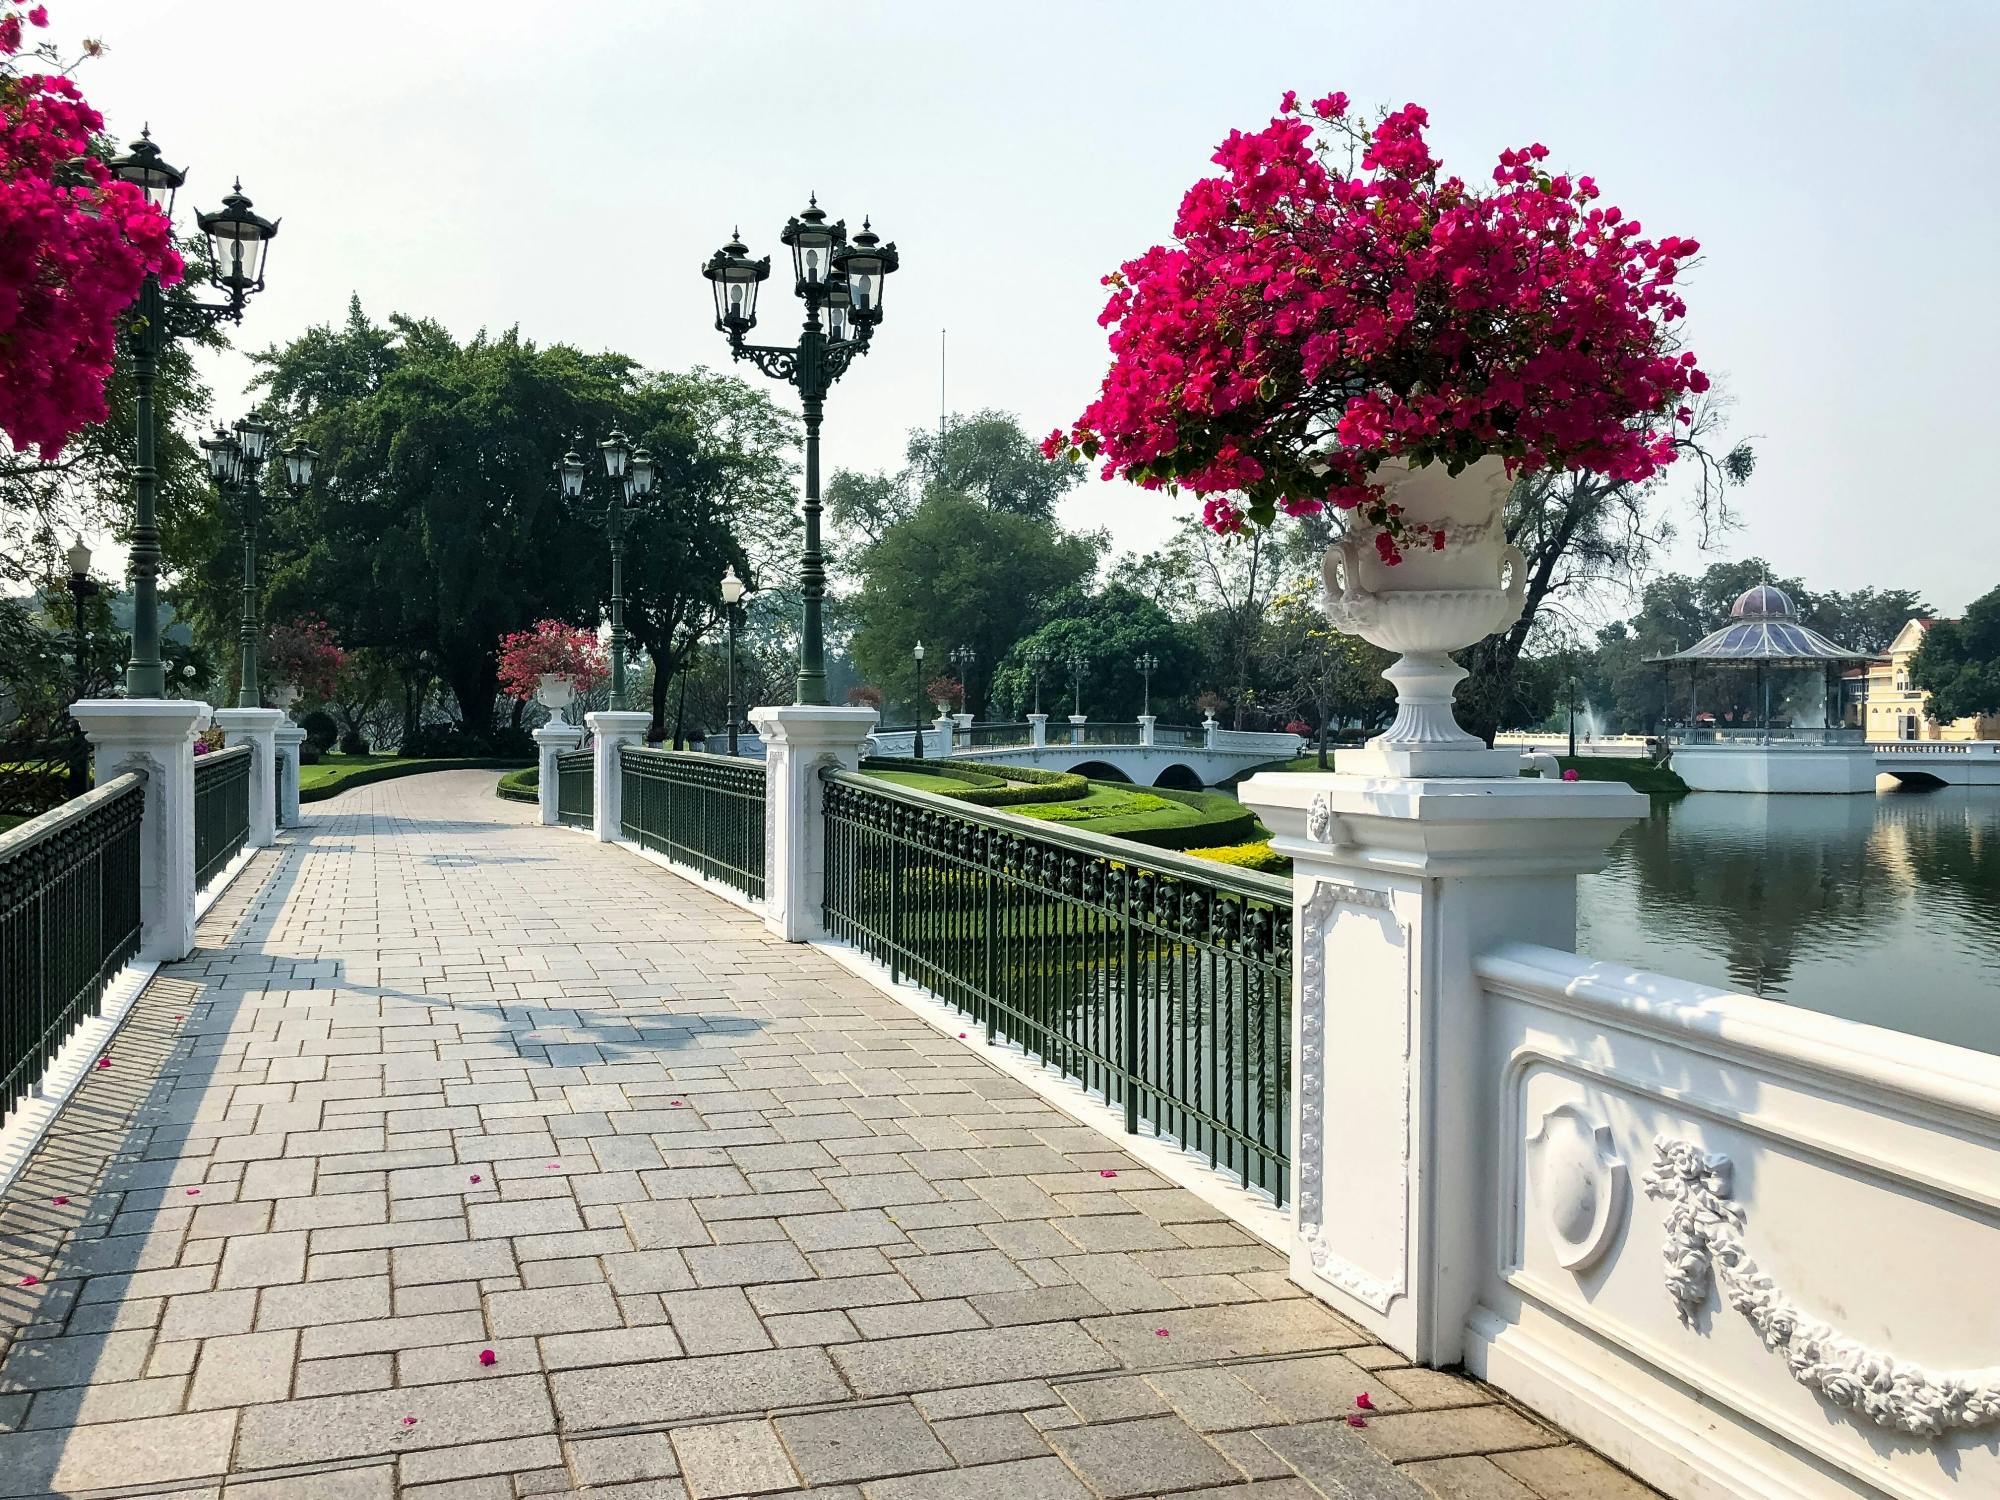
x=730 y=1221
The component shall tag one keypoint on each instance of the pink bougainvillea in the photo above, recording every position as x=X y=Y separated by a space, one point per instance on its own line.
x=554 y=649
x=72 y=258
x=305 y=655
x=1332 y=300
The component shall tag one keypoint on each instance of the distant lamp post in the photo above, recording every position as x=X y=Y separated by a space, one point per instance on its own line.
x=81 y=587
x=963 y=660
x=845 y=279
x=236 y=461
x=238 y=240
x=1147 y=664
x=921 y=702
x=733 y=590
x=1078 y=664
x=1038 y=663
x=629 y=474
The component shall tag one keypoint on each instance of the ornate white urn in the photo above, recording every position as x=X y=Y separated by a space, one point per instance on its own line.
x=284 y=695
x=556 y=691
x=1430 y=604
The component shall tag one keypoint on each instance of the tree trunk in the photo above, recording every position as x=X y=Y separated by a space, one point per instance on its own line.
x=658 y=727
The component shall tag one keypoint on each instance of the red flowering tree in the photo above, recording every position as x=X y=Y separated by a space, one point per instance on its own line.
x=554 y=649
x=1333 y=299
x=304 y=654
x=75 y=247
x=946 y=691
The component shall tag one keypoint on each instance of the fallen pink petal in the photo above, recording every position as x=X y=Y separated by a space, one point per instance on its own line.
x=487 y=1357
x=194 y=1192
x=1364 y=1402
x=1159 y=1333
x=409 y=1421
x=58 y=1202
x=475 y=1177
x=555 y=1166
x=1354 y=1421
x=104 y=1062
x=30 y=1280
x=1106 y=1172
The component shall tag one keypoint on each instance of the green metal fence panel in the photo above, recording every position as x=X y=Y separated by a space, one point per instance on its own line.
x=69 y=919
x=221 y=810
x=576 y=788
x=1120 y=733
x=703 y=811
x=992 y=736
x=1161 y=982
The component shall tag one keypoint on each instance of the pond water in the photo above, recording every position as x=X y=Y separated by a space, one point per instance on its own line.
x=1881 y=908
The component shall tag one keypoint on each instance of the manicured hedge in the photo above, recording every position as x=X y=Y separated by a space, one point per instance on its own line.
x=523 y=785
x=1222 y=821
x=1257 y=856
x=1004 y=786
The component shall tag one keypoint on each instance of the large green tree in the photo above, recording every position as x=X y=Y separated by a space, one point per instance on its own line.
x=954 y=573
x=1959 y=663
x=1110 y=630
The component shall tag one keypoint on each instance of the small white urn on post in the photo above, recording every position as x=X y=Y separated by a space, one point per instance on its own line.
x=557 y=690
x=283 y=696
x=1426 y=606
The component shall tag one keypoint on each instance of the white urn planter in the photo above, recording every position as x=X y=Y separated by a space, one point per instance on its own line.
x=1425 y=607
x=556 y=691
x=283 y=696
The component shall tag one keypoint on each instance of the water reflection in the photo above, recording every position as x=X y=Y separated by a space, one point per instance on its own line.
x=1884 y=909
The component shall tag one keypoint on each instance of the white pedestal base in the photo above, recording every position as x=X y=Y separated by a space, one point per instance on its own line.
x=1780 y=767
x=799 y=742
x=156 y=736
x=288 y=739
x=1398 y=886
x=552 y=739
x=257 y=728
x=612 y=729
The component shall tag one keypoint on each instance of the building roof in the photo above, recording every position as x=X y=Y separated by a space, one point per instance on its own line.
x=1764 y=630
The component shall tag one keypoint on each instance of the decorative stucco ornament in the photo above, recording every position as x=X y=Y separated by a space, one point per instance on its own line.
x=1705 y=1245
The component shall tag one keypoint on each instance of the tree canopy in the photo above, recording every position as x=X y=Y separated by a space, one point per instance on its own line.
x=1959 y=663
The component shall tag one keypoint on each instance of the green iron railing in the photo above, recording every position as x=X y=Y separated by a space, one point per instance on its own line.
x=1119 y=733
x=221 y=809
x=991 y=736
x=702 y=811
x=1176 y=734
x=69 y=919
x=576 y=788
x=1161 y=982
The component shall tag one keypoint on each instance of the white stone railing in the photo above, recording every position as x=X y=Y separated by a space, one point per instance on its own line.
x=1985 y=748
x=1742 y=1248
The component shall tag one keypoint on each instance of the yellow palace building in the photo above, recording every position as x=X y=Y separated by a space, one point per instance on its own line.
x=1896 y=709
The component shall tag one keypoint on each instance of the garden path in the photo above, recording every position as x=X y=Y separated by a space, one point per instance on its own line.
x=730 y=1220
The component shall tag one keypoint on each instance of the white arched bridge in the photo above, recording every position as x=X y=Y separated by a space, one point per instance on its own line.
x=1141 y=751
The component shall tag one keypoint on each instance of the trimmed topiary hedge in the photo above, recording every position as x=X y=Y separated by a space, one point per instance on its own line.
x=1004 y=786
x=390 y=770
x=523 y=785
x=1223 y=821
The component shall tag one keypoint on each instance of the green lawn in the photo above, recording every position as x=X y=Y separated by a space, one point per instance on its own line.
x=924 y=781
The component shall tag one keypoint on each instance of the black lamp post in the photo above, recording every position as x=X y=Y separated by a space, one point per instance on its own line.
x=1038 y=663
x=1078 y=664
x=630 y=474
x=922 y=702
x=236 y=464
x=846 y=280
x=237 y=242
x=733 y=590
x=1147 y=664
x=963 y=660
x=81 y=587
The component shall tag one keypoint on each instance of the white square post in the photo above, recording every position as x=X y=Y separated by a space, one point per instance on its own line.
x=155 y=735
x=613 y=729
x=1399 y=884
x=257 y=728
x=1146 y=723
x=1076 y=723
x=799 y=742
x=551 y=740
x=1038 y=730
x=288 y=740
x=1209 y=730
x=944 y=737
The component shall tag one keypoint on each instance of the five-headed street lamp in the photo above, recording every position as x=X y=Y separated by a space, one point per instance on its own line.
x=237 y=242
x=845 y=279
x=1078 y=664
x=733 y=590
x=1148 y=664
x=236 y=464
x=1038 y=663
x=630 y=475
x=963 y=660
x=81 y=587
x=918 y=652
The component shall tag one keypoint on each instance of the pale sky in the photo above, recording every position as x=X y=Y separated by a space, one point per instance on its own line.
x=568 y=168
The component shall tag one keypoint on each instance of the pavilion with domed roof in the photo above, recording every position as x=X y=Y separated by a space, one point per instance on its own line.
x=1791 y=736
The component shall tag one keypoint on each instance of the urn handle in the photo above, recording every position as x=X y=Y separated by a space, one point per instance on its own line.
x=1516 y=567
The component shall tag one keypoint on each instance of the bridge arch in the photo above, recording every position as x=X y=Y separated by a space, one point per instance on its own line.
x=1100 y=770
x=1179 y=778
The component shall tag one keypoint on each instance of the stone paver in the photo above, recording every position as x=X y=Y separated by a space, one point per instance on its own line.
x=441 y=1084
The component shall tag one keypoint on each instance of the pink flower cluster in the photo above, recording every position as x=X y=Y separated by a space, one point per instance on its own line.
x=71 y=258
x=552 y=648
x=1311 y=321
x=305 y=654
